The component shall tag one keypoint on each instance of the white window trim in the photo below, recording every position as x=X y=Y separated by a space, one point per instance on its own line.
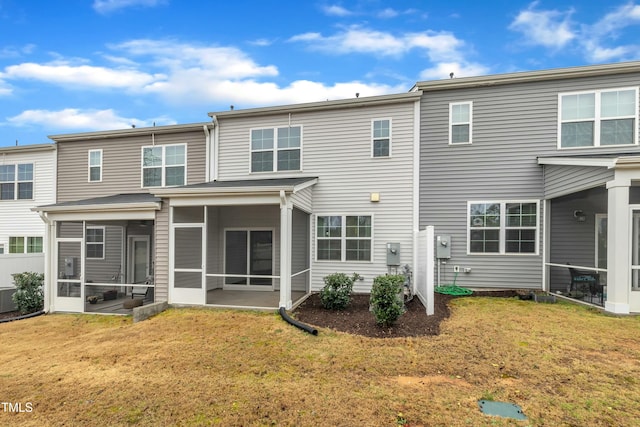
x=275 y=149
x=89 y=166
x=597 y=118
x=25 y=244
x=470 y=123
x=503 y=228
x=373 y=139
x=16 y=181
x=163 y=166
x=343 y=237
x=104 y=240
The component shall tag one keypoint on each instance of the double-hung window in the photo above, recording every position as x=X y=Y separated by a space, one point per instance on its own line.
x=94 y=238
x=460 y=124
x=344 y=238
x=503 y=227
x=16 y=181
x=21 y=245
x=381 y=138
x=164 y=165
x=95 y=165
x=598 y=118
x=276 y=149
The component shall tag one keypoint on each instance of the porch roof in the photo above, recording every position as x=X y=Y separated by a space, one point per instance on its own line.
x=116 y=202
x=240 y=187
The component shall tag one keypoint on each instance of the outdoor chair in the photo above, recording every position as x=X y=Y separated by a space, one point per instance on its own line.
x=587 y=282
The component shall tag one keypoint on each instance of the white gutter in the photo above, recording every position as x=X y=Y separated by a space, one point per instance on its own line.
x=576 y=161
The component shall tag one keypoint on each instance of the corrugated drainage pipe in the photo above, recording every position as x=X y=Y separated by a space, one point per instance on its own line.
x=25 y=316
x=292 y=321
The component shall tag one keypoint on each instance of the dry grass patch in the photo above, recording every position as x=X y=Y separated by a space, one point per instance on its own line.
x=563 y=364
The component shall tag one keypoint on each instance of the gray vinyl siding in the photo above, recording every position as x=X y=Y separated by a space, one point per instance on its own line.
x=121 y=164
x=336 y=148
x=300 y=250
x=109 y=268
x=562 y=180
x=303 y=199
x=513 y=124
x=161 y=251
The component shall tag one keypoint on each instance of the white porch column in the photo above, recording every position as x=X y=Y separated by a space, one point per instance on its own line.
x=286 y=214
x=618 y=244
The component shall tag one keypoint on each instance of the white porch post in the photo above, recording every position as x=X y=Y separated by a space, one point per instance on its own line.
x=618 y=244
x=286 y=214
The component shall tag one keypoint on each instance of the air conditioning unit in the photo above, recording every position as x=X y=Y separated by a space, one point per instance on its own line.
x=6 y=303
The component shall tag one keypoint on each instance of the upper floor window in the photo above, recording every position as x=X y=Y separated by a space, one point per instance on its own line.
x=16 y=181
x=95 y=242
x=460 y=125
x=381 y=138
x=21 y=245
x=503 y=227
x=344 y=238
x=276 y=149
x=95 y=165
x=598 y=118
x=164 y=165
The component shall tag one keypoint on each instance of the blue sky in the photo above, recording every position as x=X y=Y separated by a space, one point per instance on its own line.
x=83 y=65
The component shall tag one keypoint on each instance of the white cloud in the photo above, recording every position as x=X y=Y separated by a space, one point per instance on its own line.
x=81 y=75
x=549 y=28
x=607 y=30
x=335 y=10
x=76 y=119
x=355 y=39
x=388 y=13
x=107 y=6
x=444 y=69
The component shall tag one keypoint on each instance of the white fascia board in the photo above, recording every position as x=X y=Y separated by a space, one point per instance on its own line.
x=226 y=200
x=227 y=191
x=106 y=208
x=574 y=161
x=630 y=162
x=103 y=215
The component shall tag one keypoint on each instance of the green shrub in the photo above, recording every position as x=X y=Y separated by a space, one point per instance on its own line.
x=386 y=298
x=336 y=293
x=29 y=294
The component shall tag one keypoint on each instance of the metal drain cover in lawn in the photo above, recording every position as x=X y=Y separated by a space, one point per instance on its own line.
x=501 y=409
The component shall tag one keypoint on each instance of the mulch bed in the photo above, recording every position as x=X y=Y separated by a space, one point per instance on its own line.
x=358 y=320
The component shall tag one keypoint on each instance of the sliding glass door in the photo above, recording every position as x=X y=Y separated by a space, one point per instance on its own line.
x=249 y=258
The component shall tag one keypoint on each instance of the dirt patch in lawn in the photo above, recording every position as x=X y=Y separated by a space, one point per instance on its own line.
x=358 y=320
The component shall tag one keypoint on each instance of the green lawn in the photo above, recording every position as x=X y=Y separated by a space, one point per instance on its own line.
x=564 y=364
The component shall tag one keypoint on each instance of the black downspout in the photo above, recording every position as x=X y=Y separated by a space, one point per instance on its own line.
x=25 y=316
x=290 y=320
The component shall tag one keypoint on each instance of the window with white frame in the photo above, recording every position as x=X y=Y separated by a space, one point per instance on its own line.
x=503 y=227
x=1 y=248
x=344 y=238
x=21 y=245
x=460 y=124
x=276 y=149
x=381 y=138
x=16 y=181
x=598 y=118
x=164 y=165
x=94 y=239
x=95 y=165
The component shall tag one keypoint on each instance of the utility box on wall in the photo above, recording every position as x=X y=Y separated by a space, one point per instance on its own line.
x=443 y=247
x=393 y=254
